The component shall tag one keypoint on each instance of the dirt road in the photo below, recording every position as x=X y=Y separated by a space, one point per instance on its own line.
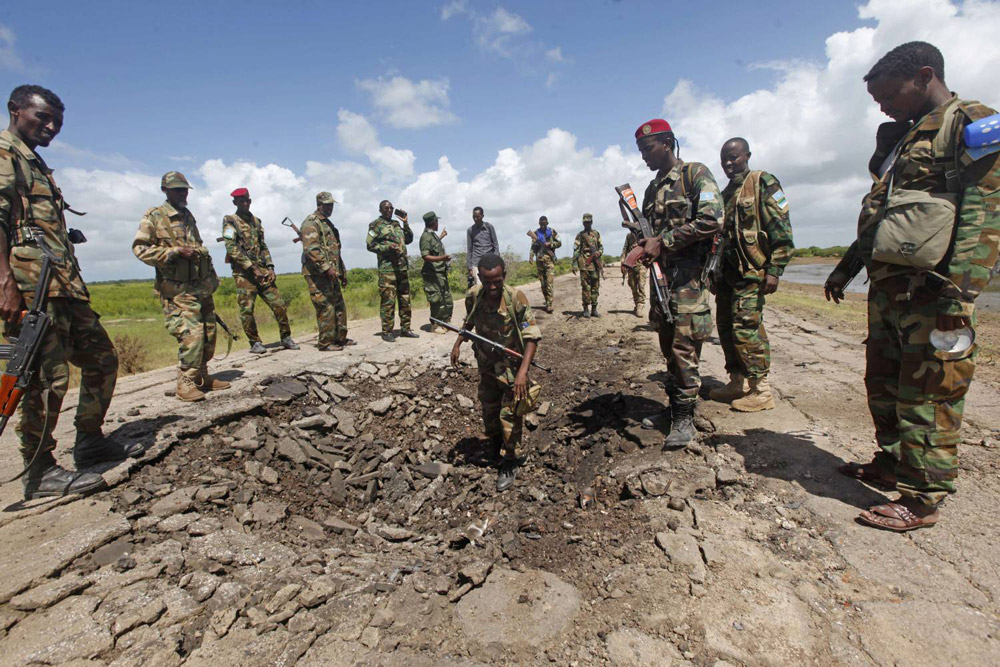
x=338 y=509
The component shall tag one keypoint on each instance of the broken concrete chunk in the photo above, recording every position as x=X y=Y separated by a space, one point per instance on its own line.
x=339 y=526
x=179 y=501
x=50 y=592
x=381 y=406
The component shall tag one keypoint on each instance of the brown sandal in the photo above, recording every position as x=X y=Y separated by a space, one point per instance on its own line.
x=897 y=517
x=870 y=473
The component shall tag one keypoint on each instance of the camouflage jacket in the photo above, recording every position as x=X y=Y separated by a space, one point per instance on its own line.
x=539 y=250
x=501 y=326
x=430 y=245
x=757 y=227
x=585 y=245
x=976 y=237
x=245 y=244
x=29 y=198
x=162 y=232
x=684 y=207
x=631 y=241
x=388 y=240
x=320 y=245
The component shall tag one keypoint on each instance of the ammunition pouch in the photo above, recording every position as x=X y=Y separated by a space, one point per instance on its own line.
x=197 y=269
x=915 y=229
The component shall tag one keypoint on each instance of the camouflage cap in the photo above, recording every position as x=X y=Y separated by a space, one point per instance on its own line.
x=587 y=217
x=174 y=179
x=325 y=198
x=430 y=216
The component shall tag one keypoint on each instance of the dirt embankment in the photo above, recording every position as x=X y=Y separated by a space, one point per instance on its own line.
x=343 y=512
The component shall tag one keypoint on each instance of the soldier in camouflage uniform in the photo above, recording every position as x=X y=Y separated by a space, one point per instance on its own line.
x=325 y=274
x=168 y=240
x=435 y=272
x=916 y=390
x=30 y=203
x=545 y=240
x=758 y=246
x=587 y=254
x=636 y=275
x=388 y=240
x=683 y=205
x=502 y=314
x=253 y=271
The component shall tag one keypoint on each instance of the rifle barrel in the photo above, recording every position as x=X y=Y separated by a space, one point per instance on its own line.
x=471 y=335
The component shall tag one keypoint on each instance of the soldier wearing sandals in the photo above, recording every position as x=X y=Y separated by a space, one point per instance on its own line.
x=928 y=234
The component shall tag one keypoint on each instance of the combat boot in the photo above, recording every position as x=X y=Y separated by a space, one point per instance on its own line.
x=593 y=311
x=208 y=383
x=737 y=388
x=187 y=390
x=258 y=348
x=586 y=311
x=681 y=425
x=758 y=398
x=289 y=344
x=506 y=474
x=45 y=479
x=637 y=311
x=95 y=448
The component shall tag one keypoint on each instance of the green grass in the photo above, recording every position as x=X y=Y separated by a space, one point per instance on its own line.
x=130 y=308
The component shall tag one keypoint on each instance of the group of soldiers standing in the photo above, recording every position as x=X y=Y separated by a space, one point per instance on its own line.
x=932 y=170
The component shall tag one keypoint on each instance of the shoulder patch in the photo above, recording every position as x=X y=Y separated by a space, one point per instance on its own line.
x=525 y=325
x=982 y=137
x=706 y=196
x=228 y=232
x=779 y=199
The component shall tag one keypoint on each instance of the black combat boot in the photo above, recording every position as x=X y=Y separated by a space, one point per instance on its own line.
x=593 y=311
x=506 y=474
x=93 y=449
x=45 y=479
x=681 y=426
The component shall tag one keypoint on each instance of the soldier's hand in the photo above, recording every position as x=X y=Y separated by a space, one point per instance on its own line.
x=834 y=289
x=260 y=274
x=11 y=301
x=770 y=285
x=574 y=270
x=951 y=322
x=651 y=248
x=332 y=273
x=456 y=350
x=444 y=233
x=521 y=385
x=186 y=251
x=624 y=270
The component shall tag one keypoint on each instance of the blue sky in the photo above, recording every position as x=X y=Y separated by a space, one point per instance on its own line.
x=523 y=107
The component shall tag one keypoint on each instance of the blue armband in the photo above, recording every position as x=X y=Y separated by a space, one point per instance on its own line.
x=983 y=137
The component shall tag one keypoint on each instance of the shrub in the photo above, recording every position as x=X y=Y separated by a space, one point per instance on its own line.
x=132 y=354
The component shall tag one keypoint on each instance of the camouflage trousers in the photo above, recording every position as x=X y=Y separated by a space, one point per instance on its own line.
x=590 y=287
x=496 y=396
x=546 y=268
x=682 y=339
x=76 y=337
x=247 y=292
x=637 y=283
x=190 y=318
x=438 y=293
x=394 y=286
x=916 y=393
x=739 y=306
x=331 y=311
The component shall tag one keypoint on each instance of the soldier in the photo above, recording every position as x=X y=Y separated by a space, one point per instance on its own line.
x=388 y=241
x=168 y=240
x=502 y=314
x=253 y=271
x=636 y=275
x=587 y=254
x=480 y=239
x=926 y=167
x=544 y=244
x=30 y=200
x=325 y=274
x=683 y=205
x=435 y=272
x=758 y=245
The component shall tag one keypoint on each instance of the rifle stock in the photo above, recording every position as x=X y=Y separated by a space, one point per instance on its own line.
x=287 y=222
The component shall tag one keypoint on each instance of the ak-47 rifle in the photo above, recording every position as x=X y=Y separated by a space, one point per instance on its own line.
x=287 y=222
x=473 y=336
x=22 y=354
x=633 y=219
x=711 y=275
x=595 y=259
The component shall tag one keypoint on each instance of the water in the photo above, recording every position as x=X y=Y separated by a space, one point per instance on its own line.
x=816 y=274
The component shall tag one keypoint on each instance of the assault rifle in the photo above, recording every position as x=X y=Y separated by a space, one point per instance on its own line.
x=22 y=354
x=633 y=219
x=711 y=275
x=473 y=336
x=287 y=222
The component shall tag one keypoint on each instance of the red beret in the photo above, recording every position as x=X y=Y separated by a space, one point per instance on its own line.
x=239 y=192
x=650 y=127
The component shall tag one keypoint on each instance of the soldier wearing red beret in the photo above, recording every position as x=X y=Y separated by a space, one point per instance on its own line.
x=683 y=205
x=253 y=271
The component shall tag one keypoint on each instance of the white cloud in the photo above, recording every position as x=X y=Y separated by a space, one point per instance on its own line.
x=406 y=104
x=498 y=32
x=359 y=136
x=9 y=58
x=453 y=8
x=555 y=55
x=815 y=127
